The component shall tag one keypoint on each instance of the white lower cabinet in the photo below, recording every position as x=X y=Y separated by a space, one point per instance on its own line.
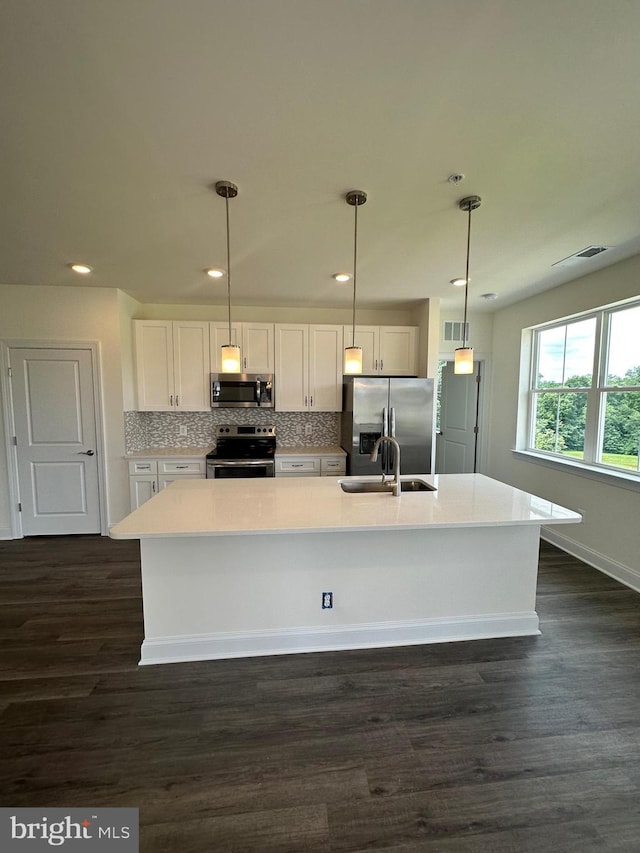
x=311 y=465
x=333 y=466
x=149 y=476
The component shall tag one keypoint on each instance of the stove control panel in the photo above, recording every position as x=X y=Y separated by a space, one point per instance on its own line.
x=240 y=430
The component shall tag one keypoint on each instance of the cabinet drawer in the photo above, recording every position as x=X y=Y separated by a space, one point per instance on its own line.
x=332 y=466
x=143 y=466
x=181 y=466
x=300 y=465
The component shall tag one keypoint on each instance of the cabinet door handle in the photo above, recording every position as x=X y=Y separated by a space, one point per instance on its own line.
x=177 y=400
x=305 y=401
x=312 y=401
x=381 y=365
x=153 y=487
x=245 y=363
x=181 y=466
x=171 y=399
x=376 y=363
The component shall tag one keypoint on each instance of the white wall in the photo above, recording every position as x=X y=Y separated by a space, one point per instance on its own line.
x=608 y=538
x=74 y=314
x=480 y=331
x=265 y=314
x=128 y=309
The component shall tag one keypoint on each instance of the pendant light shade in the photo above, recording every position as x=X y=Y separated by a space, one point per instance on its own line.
x=353 y=354
x=352 y=360
x=463 y=360
x=229 y=353
x=463 y=356
x=230 y=358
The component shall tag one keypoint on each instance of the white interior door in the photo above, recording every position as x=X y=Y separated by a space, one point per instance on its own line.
x=54 y=410
x=458 y=421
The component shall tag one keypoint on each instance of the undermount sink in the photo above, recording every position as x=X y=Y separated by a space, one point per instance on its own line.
x=362 y=486
x=415 y=486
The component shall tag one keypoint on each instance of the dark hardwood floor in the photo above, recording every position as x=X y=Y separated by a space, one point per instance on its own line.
x=526 y=744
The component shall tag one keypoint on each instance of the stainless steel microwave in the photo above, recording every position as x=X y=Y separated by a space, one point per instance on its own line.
x=242 y=390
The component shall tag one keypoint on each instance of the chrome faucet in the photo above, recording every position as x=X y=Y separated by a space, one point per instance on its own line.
x=396 y=462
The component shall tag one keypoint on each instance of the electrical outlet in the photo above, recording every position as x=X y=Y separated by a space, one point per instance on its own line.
x=308 y=429
x=298 y=429
x=182 y=429
x=327 y=600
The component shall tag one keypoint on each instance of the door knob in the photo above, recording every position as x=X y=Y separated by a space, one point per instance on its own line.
x=85 y=452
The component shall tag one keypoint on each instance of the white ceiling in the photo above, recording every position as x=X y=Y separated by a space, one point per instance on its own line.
x=119 y=115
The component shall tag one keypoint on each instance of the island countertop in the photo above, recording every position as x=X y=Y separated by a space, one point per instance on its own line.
x=318 y=505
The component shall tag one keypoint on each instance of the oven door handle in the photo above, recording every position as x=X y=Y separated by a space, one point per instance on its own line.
x=241 y=463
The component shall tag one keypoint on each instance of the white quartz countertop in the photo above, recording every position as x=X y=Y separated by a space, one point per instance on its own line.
x=318 y=504
x=161 y=452
x=331 y=450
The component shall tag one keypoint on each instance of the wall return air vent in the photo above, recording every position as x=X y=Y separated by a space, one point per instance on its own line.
x=453 y=331
x=581 y=256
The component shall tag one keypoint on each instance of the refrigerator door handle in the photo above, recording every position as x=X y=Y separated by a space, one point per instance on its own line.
x=392 y=433
x=385 y=444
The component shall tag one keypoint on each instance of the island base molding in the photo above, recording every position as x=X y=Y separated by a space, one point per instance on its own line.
x=375 y=635
x=212 y=597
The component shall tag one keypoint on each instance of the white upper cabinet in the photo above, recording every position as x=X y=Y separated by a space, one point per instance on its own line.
x=386 y=350
x=219 y=337
x=256 y=342
x=308 y=367
x=292 y=367
x=172 y=365
x=368 y=338
x=326 y=356
x=258 y=348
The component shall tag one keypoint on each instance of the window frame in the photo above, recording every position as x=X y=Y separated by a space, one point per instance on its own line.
x=597 y=392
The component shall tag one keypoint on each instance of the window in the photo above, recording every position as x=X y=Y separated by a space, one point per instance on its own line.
x=585 y=389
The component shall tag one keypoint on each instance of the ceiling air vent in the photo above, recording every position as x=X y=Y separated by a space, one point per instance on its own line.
x=582 y=255
x=452 y=331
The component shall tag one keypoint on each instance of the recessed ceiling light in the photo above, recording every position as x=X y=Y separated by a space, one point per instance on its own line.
x=489 y=296
x=341 y=276
x=458 y=282
x=83 y=269
x=214 y=273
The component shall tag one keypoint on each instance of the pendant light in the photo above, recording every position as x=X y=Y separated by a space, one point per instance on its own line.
x=353 y=354
x=229 y=353
x=463 y=356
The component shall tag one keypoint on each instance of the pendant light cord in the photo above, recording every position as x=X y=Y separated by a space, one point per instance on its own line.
x=355 y=261
x=226 y=203
x=466 y=287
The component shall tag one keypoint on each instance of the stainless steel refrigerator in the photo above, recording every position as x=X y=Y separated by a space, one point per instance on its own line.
x=377 y=405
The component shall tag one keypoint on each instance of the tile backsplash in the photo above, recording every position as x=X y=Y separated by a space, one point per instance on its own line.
x=162 y=429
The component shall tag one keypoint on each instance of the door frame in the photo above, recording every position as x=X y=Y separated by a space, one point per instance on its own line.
x=482 y=453
x=6 y=398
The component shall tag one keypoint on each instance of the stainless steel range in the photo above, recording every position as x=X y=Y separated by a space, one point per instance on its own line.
x=242 y=450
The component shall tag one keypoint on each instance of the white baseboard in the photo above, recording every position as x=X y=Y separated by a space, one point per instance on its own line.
x=366 y=636
x=625 y=575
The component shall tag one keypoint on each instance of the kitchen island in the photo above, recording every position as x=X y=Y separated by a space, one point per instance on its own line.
x=237 y=568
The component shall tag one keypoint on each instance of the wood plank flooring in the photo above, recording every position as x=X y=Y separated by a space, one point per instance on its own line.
x=498 y=746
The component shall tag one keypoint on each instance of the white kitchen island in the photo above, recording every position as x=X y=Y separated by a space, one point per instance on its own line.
x=238 y=568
